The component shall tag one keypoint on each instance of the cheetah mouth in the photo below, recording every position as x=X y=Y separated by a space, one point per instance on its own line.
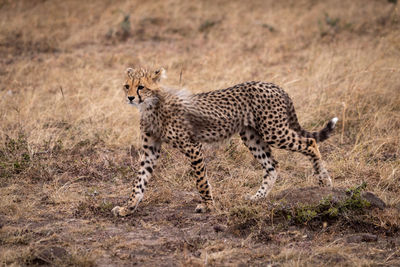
x=132 y=103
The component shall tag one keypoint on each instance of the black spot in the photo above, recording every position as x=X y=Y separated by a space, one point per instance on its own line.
x=149 y=169
x=142 y=163
x=197 y=161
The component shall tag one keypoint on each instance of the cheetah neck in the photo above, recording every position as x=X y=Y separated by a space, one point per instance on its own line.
x=161 y=107
x=150 y=120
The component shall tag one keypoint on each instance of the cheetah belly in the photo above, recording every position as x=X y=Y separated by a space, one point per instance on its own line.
x=215 y=129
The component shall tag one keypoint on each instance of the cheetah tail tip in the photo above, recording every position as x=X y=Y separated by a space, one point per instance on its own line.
x=334 y=121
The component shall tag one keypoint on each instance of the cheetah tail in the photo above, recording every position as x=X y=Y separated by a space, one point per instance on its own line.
x=324 y=133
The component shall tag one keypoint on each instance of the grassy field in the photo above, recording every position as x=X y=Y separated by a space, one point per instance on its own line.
x=68 y=141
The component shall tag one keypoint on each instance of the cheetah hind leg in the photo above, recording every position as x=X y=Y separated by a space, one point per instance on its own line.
x=262 y=153
x=309 y=148
x=312 y=152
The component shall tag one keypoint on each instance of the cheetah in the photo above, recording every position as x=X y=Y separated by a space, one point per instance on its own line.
x=262 y=113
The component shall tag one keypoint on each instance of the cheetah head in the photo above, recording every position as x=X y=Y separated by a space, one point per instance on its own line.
x=141 y=85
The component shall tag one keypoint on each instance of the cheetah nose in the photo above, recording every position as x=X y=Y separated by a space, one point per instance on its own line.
x=131 y=98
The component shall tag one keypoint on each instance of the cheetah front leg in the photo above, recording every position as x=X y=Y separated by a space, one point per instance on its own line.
x=195 y=154
x=262 y=153
x=148 y=156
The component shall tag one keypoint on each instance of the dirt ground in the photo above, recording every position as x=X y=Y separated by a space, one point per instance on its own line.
x=69 y=222
x=69 y=143
x=171 y=233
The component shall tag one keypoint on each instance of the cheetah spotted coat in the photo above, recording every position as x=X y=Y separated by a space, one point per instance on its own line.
x=262 y=113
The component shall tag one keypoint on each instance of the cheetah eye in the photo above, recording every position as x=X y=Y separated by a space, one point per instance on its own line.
x=126 y=86
x=140 y=87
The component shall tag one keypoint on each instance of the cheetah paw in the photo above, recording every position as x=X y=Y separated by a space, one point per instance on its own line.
x=120 y=211
x=325 y=180
x=203 y=208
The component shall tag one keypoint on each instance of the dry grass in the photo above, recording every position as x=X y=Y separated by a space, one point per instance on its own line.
x=68 y=143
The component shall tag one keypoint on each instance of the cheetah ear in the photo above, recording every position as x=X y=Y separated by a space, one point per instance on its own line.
x=159 y=74
x=129 y=72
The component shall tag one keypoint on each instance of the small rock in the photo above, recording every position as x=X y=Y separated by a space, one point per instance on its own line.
x=364 y=237
x=374 y=200
x=49 y=255
x=219 y=228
